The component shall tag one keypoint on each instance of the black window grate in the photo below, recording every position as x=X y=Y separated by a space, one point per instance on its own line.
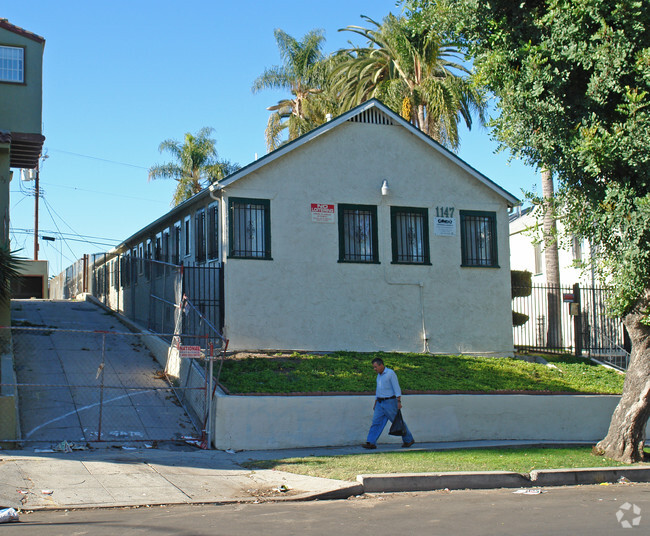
x=358 y=230
x=410 y=235
x=478 y=239
x=213 y=232
x=250 y=229
x=199 y=220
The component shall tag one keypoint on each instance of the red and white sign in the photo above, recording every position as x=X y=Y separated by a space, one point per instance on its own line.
x=190 y=352
x=322 y=213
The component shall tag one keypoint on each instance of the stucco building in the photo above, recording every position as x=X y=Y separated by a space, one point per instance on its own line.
x=364 y=234
x=21 y=139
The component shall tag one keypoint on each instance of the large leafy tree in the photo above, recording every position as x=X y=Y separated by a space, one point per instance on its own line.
x=195 y=165
x=303 y=74
x=414 y=69
x=573 y=82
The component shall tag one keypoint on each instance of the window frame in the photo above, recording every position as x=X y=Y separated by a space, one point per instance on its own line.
x=212 y=233
x=576 y=249
x=422 y=212
x=22 y=65
x=494 y=243
x=374 y=239
x=165 y=245
x=176 y=243
x=266 y=204
x=187 y=236
x=200 y=254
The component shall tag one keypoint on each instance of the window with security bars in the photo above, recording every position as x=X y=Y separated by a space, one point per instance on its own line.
x=250 y=228
x=12 y=64
x=358 y=233
x=199 y=235
x=213 y=231
x=478 y=238
x=176 y=236
x=410 y=235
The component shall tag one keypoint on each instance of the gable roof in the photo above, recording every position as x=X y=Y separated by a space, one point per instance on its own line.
x=372 y=111
x=4 y=23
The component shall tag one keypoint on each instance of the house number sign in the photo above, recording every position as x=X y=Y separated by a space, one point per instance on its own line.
x=444 y=224
x=444 y=212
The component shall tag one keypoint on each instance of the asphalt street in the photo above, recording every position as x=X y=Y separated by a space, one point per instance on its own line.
x=580 y=510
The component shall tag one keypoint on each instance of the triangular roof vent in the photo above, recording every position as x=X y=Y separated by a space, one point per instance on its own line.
x=372 y=116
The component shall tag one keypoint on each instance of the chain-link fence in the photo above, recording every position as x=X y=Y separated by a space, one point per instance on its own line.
x=87 y=386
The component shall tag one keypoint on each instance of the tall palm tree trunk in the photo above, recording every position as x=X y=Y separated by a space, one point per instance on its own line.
x=552 y=265
x=423 y=123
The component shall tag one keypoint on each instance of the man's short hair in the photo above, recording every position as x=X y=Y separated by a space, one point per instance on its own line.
x=378 y=360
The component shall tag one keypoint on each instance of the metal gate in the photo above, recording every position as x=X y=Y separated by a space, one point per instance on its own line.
x=583 y=326
x=99 y=386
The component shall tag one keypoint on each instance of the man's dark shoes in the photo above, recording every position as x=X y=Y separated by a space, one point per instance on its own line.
x=367 y=445
x=407 y=444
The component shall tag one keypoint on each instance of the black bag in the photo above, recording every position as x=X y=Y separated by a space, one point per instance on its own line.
x=398 y=427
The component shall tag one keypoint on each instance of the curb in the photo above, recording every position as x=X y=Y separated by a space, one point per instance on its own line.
x=596 y=475
x=400 y=482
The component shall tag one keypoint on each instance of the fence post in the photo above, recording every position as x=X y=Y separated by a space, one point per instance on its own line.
x=100 y=373
x=577 y=321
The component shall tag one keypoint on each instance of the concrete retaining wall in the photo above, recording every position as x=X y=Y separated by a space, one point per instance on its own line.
x=9 y=421
x=276 y=422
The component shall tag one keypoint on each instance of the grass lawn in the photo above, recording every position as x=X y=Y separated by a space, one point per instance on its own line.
x=522 y=460
x=351 y=372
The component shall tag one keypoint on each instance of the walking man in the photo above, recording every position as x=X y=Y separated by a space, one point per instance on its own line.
x=388 y=400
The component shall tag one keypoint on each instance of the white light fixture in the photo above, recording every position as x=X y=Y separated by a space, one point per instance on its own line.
x=385 y=190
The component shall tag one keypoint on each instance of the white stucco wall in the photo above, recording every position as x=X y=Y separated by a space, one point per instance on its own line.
x=522 y=254
x=276 y=422
x=305 y=299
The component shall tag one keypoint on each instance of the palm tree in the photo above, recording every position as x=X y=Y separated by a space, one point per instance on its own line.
x=196 y=164
x=551 y=263
x=302 y=73
x=416 y=72
x=9 y=265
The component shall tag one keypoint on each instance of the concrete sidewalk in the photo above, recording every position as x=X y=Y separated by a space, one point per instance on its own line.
x=117 y=477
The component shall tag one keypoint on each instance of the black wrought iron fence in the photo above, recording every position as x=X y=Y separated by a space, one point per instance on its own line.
x=155 y=294
x=571 y=319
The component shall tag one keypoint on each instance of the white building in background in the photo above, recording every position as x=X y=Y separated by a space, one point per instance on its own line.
x=603 y=337
x=527 y=250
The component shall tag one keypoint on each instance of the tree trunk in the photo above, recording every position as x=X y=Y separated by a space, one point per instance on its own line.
x=552 y=265
x=422 y=122
x=626 y=435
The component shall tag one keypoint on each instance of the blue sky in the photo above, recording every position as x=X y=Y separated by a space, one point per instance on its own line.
x=121 y=76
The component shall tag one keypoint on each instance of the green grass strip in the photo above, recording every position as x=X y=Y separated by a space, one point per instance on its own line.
x=352 y=372
x=520 y=460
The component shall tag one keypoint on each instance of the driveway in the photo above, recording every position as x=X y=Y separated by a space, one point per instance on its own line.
x=87 y=378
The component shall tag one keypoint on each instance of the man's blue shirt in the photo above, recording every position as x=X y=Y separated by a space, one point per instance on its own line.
x=387 y=384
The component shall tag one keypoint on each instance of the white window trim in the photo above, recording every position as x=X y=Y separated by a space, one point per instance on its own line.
x=21 y=69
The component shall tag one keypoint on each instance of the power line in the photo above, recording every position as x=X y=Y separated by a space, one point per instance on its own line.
x=50 y=185
x=47 y=206
x=68 y=238
x=97 y=158
x=65 y=235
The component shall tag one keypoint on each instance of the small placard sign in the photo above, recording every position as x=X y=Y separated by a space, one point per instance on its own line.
x=190 y=352
x=444 y=226
x=322 y=213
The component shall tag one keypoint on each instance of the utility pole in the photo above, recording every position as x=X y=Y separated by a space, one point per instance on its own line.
x=36 y=194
